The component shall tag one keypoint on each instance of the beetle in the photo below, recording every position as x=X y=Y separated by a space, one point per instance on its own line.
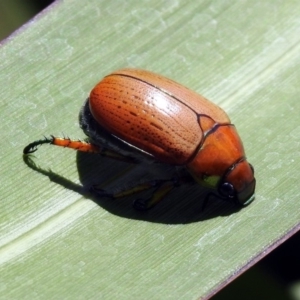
x=141 y=117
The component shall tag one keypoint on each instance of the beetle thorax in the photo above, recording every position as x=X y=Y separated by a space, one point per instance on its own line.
x=219 y=150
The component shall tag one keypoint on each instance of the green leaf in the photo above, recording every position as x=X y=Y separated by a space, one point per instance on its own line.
x=57 y=240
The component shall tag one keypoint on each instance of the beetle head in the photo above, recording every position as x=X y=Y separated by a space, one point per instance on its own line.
x=220 y=164
x=238 y=183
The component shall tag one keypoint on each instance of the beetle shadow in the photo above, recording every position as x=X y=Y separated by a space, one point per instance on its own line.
x=94 y=169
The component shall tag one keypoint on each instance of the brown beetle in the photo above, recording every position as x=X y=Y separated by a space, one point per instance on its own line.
x=138 y=115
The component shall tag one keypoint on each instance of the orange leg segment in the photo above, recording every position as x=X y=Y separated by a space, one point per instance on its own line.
x=62 y=142
x=76 y=145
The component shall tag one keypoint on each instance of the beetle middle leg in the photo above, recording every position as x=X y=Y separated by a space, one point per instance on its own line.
x=162 y=188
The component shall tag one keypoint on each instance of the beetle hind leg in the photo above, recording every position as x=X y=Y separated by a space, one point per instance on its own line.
x=78 y=145
x=62 y=142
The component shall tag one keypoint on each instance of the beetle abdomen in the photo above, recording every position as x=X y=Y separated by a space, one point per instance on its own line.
x=154 y=114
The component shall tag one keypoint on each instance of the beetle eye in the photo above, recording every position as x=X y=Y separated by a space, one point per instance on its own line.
x=227 y=190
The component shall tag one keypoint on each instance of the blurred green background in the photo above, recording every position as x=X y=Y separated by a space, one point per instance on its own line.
x=14 y=13
x=277 y=276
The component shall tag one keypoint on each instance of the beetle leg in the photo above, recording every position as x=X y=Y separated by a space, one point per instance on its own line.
x=163 y=189
x=206 y=199
x=77 y=145
x=62 y=142
x=127 y=192
x=117 y=156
